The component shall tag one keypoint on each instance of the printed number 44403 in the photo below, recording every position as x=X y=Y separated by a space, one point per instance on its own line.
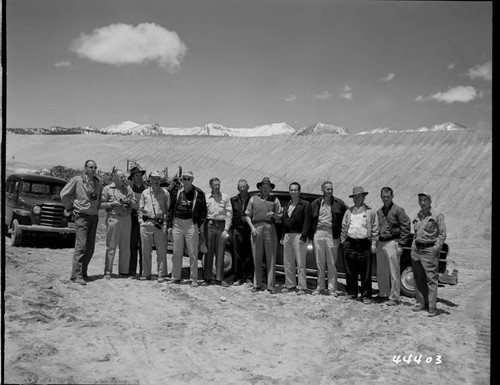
x=418 y=359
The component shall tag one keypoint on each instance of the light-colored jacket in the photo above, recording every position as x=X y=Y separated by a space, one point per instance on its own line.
x=371 y=224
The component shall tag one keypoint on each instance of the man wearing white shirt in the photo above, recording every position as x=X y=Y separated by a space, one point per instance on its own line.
x=219 y=218
x=359 y=238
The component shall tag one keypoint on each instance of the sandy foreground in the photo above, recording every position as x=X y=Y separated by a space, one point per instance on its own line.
x=125 y=331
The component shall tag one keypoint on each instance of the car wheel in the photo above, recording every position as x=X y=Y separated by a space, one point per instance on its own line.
x=16 y=235
x=408 y=285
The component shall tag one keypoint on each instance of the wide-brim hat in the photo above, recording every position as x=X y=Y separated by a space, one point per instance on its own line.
x=357 y=191
x=188 y=173
x=155 y=174
x=135 y=170
x=268 y=181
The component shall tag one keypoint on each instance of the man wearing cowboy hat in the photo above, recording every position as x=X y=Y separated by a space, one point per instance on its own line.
x=359 y=238
x=326 y=224
x=430 y=234
x=261 y=213
x=118 y=201
x=136 y=179
x=153 y=208
x=188 y=211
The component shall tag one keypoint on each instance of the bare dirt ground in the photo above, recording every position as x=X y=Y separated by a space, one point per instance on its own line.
x=141 y=332
x=129 y=331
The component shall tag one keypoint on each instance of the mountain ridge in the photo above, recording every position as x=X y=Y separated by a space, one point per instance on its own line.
x=128 y=127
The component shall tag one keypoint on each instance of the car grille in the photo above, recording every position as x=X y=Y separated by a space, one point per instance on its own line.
x=52 y=216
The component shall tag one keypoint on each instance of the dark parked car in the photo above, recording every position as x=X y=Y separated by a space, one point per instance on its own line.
x=33 y=206
x=408 y=287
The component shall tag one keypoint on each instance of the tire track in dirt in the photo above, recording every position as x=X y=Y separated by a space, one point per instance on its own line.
x=478 y=309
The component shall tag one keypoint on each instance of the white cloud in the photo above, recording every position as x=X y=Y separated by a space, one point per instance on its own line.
x=451 y=65
x=345 y=92
x=389 y=77
x=62 y=63
x=324 y=95
x=462 y=94
x=121 y=44
x=291 y=98
x=482 y=71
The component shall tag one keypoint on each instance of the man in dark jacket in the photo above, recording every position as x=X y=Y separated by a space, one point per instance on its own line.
x=394 y=233
x=326 y=224
x=188 y=211
x=296 y=219
x=242 y=247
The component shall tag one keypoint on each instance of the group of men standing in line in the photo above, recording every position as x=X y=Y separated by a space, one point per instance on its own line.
x=139 y=217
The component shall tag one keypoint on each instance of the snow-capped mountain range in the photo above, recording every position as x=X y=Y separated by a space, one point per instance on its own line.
x=214 y=129
x=448 y=126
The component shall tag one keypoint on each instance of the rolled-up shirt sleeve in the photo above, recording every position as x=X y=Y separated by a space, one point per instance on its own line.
x=441 y=231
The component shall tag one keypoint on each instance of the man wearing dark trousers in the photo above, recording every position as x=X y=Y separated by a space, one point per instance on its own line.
x=82 y=196
x=242 y=247
x=138 y=186
x=359 y=238
x=219 y=217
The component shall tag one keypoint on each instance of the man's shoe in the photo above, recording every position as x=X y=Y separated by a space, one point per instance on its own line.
x=145 y=278
x=288 y=289
x=80 y=281
x=301 y=292
x=194 y=283
x=205 y=283
x=367 y=301
x=316 y=292
x=255 y=289
x=353 y=296
x=334 y=293
x=224 y=284
x=107 y=276
x=249 y=281
x=381 y=298
x=391 y=302
x=176 y=281
x=418 y=307
x=238 y=283
x=432 y=312
x=161 y=279
x=271 y=291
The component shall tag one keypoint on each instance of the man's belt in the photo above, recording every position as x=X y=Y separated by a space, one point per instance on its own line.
x=216 y=221
x=386 y=239
x=424 y=245
x=263 y=223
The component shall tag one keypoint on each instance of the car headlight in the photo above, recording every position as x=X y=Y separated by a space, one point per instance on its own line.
x=36 y=210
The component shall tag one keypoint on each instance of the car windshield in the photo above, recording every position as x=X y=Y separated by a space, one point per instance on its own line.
x=42 y=189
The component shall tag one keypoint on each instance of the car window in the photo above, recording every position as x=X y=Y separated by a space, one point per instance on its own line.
x=41 y=188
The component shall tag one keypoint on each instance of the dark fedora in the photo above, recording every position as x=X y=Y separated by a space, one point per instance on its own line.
x=357 y=191
x=135 y=170
x=268 y=181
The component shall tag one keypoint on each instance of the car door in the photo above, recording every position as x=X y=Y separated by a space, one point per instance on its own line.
x=11 y=198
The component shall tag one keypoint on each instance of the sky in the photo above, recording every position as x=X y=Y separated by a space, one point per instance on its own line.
x=183 y=63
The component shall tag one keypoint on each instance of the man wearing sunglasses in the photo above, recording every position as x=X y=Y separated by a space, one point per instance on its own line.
x=82 y=197
x=187 y=213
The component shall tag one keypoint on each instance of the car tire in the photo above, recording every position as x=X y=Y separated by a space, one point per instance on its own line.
x=408 y=285
x=16 y=235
